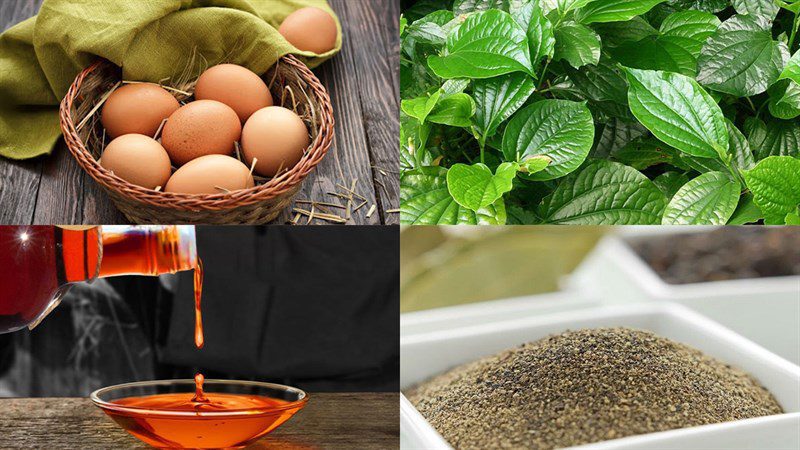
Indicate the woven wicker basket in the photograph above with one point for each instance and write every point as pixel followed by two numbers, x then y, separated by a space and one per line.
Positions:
pixel 292 85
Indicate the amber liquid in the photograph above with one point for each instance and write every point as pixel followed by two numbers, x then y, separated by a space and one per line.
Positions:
pixel 152 426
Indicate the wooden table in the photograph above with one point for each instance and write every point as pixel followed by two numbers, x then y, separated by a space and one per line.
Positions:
pixel 330 421
pixel 362 80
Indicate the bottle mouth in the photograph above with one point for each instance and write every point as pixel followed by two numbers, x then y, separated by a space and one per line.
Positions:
pixel 187 244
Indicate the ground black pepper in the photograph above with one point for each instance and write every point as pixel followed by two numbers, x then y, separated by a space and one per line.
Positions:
pixel 723 254
pixel 586 386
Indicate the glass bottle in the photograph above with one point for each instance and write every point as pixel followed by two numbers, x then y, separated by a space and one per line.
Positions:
pixel 38 264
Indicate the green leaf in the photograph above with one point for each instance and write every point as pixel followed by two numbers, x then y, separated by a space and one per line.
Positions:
pixel 469 6
pixel 604 85
pixel 605 193
pixel 559 129
pixel 614 10
pixel 420 107
pixel 709 199
pixel 498 98
pixel 790 5
pixel 658 53
pixel 530 17
pixel 773 137
pixel 678 112
pixel 425 200
pixel 670 182
pixel 711 6
pixel 562 7
pixel 746 212
pixel 644 153
pixel 455 110
pixel 487 44
pixel 615 135
pixel 775 184
pixel 766 9
pixel 792 69
pixel 576 44
pixel 784 99
pixel 475 186
pixel 534 164
pixel 741 58
pixel 695 27
pixel 739 148
pixel 614 34
pixel 428 30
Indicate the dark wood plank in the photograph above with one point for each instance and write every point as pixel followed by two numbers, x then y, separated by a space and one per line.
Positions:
pixel 375 29
pixel 60 196
pixel 19 180
pixel 330 421
pixel 348 158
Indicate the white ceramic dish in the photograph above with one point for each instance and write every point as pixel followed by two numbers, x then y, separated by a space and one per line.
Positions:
pixel 477 313
pixel 425 354
pixel 766 310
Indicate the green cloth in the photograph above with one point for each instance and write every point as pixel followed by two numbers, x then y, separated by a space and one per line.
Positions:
pixel 150 39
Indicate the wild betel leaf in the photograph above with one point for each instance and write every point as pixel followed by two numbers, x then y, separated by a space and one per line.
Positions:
pixel 425 200
pixel 455 110
pixel 678 112
pixel 614 10
pixel 605 193
pixel 670 183
pixel 475 186
pixel 739 148
pixel 576 44
pixel 741 58
pixel 792 69
pixel 486 45
pixel 498 98
pixel 775 184
pixel 709 199
pixel 773 137
pixel 530 16
pixel 766 9
pixel 746 212
pixel 559 129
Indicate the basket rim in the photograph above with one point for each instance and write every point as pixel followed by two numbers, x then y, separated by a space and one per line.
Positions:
pixel 273 188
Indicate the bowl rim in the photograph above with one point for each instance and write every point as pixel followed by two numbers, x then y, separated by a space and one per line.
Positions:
pixel 248 412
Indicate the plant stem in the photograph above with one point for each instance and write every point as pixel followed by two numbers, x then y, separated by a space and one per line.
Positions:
pixel 795 27
pixel 482 144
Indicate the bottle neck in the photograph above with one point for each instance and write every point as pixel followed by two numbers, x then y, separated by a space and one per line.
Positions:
pixel 150 250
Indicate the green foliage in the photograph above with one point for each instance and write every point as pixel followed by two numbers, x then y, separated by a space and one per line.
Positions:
pixel 600 112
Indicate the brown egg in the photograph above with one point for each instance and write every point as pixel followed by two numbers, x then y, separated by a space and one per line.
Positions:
pixel 202 127
pixel 242 90
pixel 137 159
pixel 310 29
pixel 277 137
pixel 137 108
pixel 207 174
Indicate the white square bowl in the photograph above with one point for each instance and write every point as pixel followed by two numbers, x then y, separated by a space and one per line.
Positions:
pixel 425 354
pixel 765 310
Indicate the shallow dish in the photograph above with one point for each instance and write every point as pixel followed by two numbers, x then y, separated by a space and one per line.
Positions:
pixel 423 355
pixel 231 428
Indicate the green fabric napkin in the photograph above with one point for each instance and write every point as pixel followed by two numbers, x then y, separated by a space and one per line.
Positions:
pixel 150 39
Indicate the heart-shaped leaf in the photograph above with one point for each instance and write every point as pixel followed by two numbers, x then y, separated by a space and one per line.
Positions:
pixel 678 112
pixel 614 10
pixel 455 110
pixel 425 200
pixel 498 98
pixel 741 58
pixel 766 9
pixel 475 186
pixel 784 99
pixel 775 184
pixel 792 69
pixel 576 44
pixel 486 45
pixel 559 129
pixel 605 193
pixel 420 107
pixel 746 212
pixel 739 148
pixel 709 199
pixel 530 16
pixel 773 137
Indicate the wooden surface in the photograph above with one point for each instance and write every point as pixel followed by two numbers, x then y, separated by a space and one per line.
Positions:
pixel 330 421
pixel 362 81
